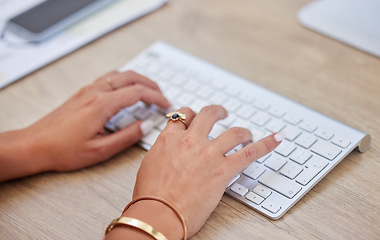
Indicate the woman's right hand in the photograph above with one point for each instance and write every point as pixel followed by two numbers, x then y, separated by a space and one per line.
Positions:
pixel 191 171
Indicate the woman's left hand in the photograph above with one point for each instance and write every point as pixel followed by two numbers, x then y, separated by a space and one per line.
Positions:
pixel 73 136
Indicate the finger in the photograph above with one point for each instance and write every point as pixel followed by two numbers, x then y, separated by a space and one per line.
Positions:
pixel 242 158
pixel 123 79
pixel 231 138
pixel 105 82
pixel 177 125
pixel 128 96
pixel 206 118
pixel 111 144
pixel 130 77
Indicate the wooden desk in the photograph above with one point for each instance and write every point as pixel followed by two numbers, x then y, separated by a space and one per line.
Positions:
pixel 258 40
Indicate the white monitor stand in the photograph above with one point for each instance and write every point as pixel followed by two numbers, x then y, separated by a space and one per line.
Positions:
pixel 354 22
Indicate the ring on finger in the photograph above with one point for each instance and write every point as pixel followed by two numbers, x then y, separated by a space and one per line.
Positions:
pixel 177 116
pixel 109 82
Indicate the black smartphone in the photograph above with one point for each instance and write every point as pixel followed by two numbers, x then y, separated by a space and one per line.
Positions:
pixel 51 17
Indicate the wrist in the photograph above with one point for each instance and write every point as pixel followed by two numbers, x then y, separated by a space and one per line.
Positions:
pixel 157 214
pixel 17 155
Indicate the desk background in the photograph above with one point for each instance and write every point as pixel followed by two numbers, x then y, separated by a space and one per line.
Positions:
pixel 258 40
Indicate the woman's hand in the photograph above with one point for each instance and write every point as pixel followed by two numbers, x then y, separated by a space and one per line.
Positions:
pixel 73 136
pixel 191 171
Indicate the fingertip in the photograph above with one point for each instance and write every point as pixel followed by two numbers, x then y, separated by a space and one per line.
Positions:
pixel 279 137
pixel 146 127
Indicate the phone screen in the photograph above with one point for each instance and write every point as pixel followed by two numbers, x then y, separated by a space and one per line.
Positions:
pixel 48 13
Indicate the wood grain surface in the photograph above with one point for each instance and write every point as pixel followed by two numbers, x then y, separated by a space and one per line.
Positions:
pixel 258 40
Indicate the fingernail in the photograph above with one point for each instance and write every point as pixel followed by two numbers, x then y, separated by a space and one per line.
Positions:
pixel 279 136
pixel 146 127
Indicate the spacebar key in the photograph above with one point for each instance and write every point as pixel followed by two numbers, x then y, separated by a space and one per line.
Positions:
pixel 280 184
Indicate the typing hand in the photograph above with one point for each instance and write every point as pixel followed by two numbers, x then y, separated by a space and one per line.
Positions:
pixel 73 136
pixel 191 171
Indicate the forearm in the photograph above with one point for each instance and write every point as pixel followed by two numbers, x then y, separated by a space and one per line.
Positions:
pixel 17 156
pixel 154 213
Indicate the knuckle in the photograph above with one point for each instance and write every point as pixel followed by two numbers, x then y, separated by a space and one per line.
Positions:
pixel 211 110
pixel 97 99
pixel 220 171
pixel 98 150
pixel 239 133
pixel 250 153
pixel 186 141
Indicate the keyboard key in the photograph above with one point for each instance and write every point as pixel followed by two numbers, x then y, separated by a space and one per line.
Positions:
pixel 254 170
pixel 185 99
pixel 217 130
pixel 275 125
pixel 291 133
pixel 271 206
pixel 256 133
pixel 204 92
pixel 285 149
pixel 247 98
pixel 246 112
pixel 132 109
pixel 239 189
pixel 260 119
pixel 234 179
pixel 294 120
pixel 262 105
pixel 276 112
pixel 157 119
pixel 253 197
pixel 154 68
pixel 306 140
pixel 218 98
pixel 341 142
pixel 291 170
pixel 228 120
pixel 326 149
pixel 191 86
pixel 240 123
pixel 217 85
pixel 172 93
pixel 151 137
pixel 262 159
pixel 326 135
pixel 143 113
pixel 166 74
pixel 197 105
pixel 178 79
pixel 231 105
pixel 275 162
pixel 125 121
pixel 279 183
pixel 300 156
pixel 309 127
pixel 262 191
pixel 233 92
pixel 162 125
pixel 314 166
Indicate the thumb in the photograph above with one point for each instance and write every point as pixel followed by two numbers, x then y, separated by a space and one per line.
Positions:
pixel 124 138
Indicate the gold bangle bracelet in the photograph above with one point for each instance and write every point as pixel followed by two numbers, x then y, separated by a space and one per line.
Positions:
pixel 167 203
pixel 136 224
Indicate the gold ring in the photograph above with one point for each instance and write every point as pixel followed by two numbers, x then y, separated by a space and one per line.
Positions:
pixel 177 116
pixel 109 82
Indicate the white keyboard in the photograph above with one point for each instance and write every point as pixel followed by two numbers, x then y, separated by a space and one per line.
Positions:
pixel 314 143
